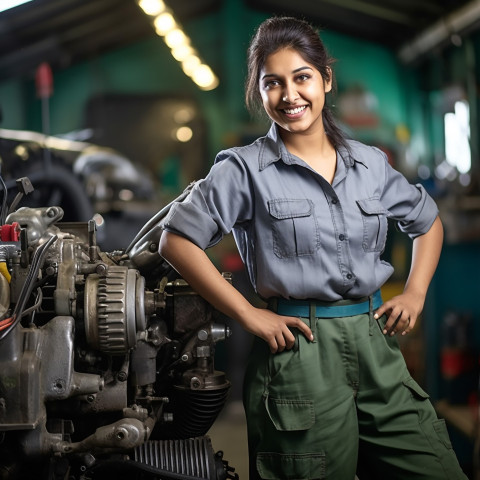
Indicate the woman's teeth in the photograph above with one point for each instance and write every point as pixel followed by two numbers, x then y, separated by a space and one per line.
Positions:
pixel 292 111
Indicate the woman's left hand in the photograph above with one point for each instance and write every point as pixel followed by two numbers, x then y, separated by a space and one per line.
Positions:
pixel 402 313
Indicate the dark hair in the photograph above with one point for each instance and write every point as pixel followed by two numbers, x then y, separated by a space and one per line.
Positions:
pixel 276 33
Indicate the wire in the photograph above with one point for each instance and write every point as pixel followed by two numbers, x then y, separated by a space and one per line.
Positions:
pixel 8 324
pixel 3 211
pixel 36 305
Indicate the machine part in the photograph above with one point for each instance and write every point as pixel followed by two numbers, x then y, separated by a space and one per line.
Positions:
pixel 110 304
pixel 98 359
pixel 122 435
pixel 143 370
pixel 4 296
pixel 192 458
pixel 36 221
pixel 203 406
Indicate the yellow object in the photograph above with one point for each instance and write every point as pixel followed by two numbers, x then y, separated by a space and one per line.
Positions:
pixel 4 271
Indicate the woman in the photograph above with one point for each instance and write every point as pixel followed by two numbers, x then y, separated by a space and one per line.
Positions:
pixel 327 392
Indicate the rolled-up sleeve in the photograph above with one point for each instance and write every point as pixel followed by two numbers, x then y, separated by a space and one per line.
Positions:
pixel 410 205
pixel 222 200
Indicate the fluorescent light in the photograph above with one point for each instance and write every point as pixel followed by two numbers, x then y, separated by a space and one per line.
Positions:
pixel 7 4
pixel 179 43
pixel 152 7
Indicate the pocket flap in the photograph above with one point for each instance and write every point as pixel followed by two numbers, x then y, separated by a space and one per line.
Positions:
pixel 290 208
pixel 290 415
pixel 372 206
pixel 281 466
pixel 414 387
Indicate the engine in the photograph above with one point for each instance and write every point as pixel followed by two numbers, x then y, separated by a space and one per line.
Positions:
pixel 106 358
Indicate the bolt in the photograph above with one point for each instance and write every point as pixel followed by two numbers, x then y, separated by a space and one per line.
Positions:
pixel 90 398
pixel 100 269
pixel 153 247
pixel 121 376
pixel 195 382
pixel 202 335
pixel 185 357
pixel 50 270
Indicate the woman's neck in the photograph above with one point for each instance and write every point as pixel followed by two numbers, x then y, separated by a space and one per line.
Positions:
pixel 315 150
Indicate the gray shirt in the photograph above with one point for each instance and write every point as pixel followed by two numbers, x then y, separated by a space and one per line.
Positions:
pixel 299 236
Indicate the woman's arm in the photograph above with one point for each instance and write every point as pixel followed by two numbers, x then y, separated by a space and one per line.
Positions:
pixel 193 264
pixel 403 310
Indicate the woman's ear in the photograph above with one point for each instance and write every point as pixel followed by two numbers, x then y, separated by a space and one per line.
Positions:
pixel 329 81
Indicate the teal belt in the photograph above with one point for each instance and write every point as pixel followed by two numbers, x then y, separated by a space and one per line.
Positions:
pixel 340 308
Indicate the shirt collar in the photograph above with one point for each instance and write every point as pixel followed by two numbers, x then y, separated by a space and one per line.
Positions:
pixel 273 149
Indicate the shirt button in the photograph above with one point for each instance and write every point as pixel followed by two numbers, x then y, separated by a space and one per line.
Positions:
pixel 341 237
pixel 334 200
pixel 349 276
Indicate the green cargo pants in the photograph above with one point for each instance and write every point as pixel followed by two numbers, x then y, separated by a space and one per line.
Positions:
pixel 342 405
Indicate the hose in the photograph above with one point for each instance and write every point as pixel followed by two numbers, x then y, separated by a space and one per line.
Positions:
pixel 4 271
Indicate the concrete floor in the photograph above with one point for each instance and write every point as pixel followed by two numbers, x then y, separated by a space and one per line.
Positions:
pixel 229 434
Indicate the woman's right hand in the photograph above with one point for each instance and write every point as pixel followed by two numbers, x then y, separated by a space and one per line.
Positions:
pixel 273 328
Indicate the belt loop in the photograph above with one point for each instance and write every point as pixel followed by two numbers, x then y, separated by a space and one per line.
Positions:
pixel 273 304
pixel 313 319
pixel 370 315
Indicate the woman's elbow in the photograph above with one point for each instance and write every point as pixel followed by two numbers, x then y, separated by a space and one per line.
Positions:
pixel 165 246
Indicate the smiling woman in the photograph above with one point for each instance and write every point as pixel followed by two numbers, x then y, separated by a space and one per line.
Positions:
pixel 327 392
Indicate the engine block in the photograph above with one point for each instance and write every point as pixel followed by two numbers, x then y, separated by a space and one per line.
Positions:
pixel 107 358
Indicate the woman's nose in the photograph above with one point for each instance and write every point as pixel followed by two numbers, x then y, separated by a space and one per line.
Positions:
pixel 290 95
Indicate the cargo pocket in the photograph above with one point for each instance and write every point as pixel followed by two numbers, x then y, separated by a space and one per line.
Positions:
pixel 436 432
pixel 415 388
pixel 294 227
pixel 290 415
pixel 375 224
pixel 282 466
pixel 417 394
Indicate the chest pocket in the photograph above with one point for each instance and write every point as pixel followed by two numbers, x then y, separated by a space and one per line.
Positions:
pixel 375 224
pixel 294 227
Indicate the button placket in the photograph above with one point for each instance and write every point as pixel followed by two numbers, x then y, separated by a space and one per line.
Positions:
pixel 343 247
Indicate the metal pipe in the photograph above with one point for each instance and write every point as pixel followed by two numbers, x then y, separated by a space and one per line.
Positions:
pixel 441 31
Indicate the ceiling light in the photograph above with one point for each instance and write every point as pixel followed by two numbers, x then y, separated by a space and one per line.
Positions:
pixel 204 77
pixel 190 64
pixel 176 38
pixel 184 115
pixel 152 7
pixel 7 4
pixel 184 134
pixel 164 23
pixel 181 52
pixel 179 43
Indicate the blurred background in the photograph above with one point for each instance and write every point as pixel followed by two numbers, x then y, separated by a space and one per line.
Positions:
pixel 113 107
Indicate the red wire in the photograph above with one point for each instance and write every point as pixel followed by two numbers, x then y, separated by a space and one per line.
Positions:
pixel 5 323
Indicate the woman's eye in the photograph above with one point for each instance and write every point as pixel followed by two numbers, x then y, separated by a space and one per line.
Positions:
pixel 271 83
pixel 303 77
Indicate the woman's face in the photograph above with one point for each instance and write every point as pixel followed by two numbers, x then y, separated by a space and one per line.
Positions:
pixel 293 92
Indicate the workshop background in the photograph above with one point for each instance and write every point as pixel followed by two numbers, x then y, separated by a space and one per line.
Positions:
pixel 128 115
